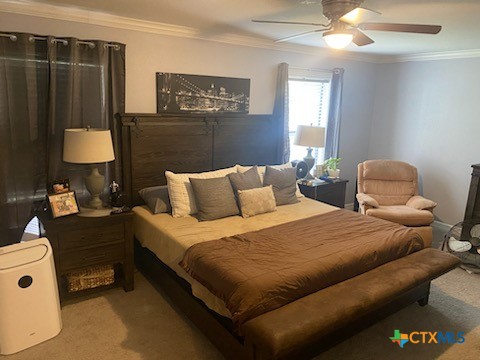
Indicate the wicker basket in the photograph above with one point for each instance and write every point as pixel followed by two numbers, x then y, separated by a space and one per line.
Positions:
pixel 90 278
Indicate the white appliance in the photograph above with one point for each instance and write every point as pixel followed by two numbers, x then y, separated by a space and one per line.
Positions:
pixel 29 302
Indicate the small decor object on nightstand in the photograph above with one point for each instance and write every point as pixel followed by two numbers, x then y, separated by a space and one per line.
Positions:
pixel 59 186
pixel 302 169
pixel 116 196
pixel 63 204
pixel 90 146
pixel 332 167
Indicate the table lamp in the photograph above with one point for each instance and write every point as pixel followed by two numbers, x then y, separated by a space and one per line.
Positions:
pixel 310 136
pixel 90 146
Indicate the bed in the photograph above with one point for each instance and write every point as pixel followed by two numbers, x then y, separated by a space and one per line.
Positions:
pixel 301 327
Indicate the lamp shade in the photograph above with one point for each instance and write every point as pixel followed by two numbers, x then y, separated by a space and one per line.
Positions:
pixel 311 136
pixel 87 146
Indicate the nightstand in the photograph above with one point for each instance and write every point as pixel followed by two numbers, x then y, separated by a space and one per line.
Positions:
pixel 82 242
pixel 332 193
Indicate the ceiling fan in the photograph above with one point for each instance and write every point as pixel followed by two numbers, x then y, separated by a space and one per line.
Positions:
pixel 344 28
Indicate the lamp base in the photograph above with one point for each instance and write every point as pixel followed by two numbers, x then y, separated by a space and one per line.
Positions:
pixel 89 212
pixel 95 183
pixel 310 160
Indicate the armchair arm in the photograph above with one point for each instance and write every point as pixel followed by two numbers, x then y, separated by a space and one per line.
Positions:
pixel 420 203
pixel 367 200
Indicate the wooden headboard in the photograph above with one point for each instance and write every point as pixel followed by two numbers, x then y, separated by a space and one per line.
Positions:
pixel 154 143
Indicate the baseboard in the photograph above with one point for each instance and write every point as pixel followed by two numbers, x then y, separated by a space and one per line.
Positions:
pixel 349 206
pixel 441 226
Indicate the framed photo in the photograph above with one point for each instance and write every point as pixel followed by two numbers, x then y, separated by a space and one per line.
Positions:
pixel 59 186
pixel 179 93
pixel 63 204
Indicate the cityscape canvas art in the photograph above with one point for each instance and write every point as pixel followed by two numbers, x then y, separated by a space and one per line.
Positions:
pixel 198 93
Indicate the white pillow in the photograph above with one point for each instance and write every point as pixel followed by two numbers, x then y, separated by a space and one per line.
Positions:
pixel 181 193
pixel 261 172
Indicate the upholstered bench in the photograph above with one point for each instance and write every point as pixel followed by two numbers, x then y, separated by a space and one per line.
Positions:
pixel 302 328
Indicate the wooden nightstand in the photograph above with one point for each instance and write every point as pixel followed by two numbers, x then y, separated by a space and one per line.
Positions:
pixel 82 242
pixel 332 193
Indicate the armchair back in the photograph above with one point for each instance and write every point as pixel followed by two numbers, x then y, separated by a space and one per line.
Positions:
pixel 389 182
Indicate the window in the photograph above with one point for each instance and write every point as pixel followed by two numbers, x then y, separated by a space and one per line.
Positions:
pixel 308 105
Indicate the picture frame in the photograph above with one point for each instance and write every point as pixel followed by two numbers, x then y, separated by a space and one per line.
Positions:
pixel 59 186
pixel 186 93
pixel 63 204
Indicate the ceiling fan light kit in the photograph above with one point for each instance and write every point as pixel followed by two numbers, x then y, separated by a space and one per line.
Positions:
pixel 345 25
pixel 338 39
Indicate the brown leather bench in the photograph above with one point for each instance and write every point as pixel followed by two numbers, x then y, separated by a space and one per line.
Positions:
pixel 298 329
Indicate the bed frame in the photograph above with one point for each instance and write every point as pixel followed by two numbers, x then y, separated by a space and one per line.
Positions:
pixel 153 143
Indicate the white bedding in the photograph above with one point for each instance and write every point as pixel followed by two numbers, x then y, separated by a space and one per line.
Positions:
pixel 170 237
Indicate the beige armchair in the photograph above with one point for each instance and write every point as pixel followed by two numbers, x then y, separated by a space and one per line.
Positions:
pixel 388 189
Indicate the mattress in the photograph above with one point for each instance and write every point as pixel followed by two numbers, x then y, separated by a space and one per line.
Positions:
pixel 168 237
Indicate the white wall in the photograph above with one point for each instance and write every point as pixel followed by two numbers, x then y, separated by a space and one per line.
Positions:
pixel 428 114
pixel 148 53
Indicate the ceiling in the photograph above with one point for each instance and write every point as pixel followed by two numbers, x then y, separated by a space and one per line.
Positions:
pixel 211 18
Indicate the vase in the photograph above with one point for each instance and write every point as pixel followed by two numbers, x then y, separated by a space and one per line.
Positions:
pixel 333 173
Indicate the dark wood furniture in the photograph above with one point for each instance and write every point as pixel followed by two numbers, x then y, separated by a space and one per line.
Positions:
pixel 473 201
pixel 183 143
pixel 82 242
pixel 472 210
pixel 153 143
pixel 332 193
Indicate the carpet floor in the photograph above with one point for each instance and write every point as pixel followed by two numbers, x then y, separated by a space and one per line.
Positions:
pixel 144 324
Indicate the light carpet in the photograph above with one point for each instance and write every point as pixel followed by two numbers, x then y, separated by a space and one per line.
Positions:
pixel 144 324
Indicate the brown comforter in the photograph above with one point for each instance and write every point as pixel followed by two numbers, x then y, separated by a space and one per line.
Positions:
pixel 260 271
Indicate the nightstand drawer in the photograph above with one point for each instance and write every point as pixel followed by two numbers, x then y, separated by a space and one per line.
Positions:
pixel 90 236
pixel 88 257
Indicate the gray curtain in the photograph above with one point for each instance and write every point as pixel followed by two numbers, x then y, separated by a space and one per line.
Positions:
pixel 334 114
pixel 280 113
pixel 23 80
pixel 46 86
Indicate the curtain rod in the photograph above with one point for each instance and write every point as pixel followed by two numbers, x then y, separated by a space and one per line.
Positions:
pixel 32 38
pixel 313 70
pixel 11 36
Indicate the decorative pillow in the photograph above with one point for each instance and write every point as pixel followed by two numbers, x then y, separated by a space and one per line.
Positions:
pixel 214 198
pixel 256 201
pixel 261 169
pixel 156 198
pixel 261 172
pixel 181 193
pixel 245 181
pixel 284 184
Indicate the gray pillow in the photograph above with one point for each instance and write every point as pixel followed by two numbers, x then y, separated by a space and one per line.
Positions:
pixel 284 183
pixel 214 198
pixel 245 181
pixel 156 198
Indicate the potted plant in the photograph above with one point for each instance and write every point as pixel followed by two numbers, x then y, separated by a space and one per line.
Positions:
pixel 332 167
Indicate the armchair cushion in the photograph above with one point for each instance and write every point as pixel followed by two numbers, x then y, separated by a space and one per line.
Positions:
pixel 420 203
pixel 402 214
pixel 364 199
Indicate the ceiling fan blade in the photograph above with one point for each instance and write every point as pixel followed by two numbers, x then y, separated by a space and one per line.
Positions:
pixel 360 39
pixel 409 28
pixel 288 22
pixel 298 35
pixel 358 15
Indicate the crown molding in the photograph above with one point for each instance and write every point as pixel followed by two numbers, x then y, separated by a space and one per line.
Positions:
pixel 64 13
pixel 432 56
pixel 83 16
